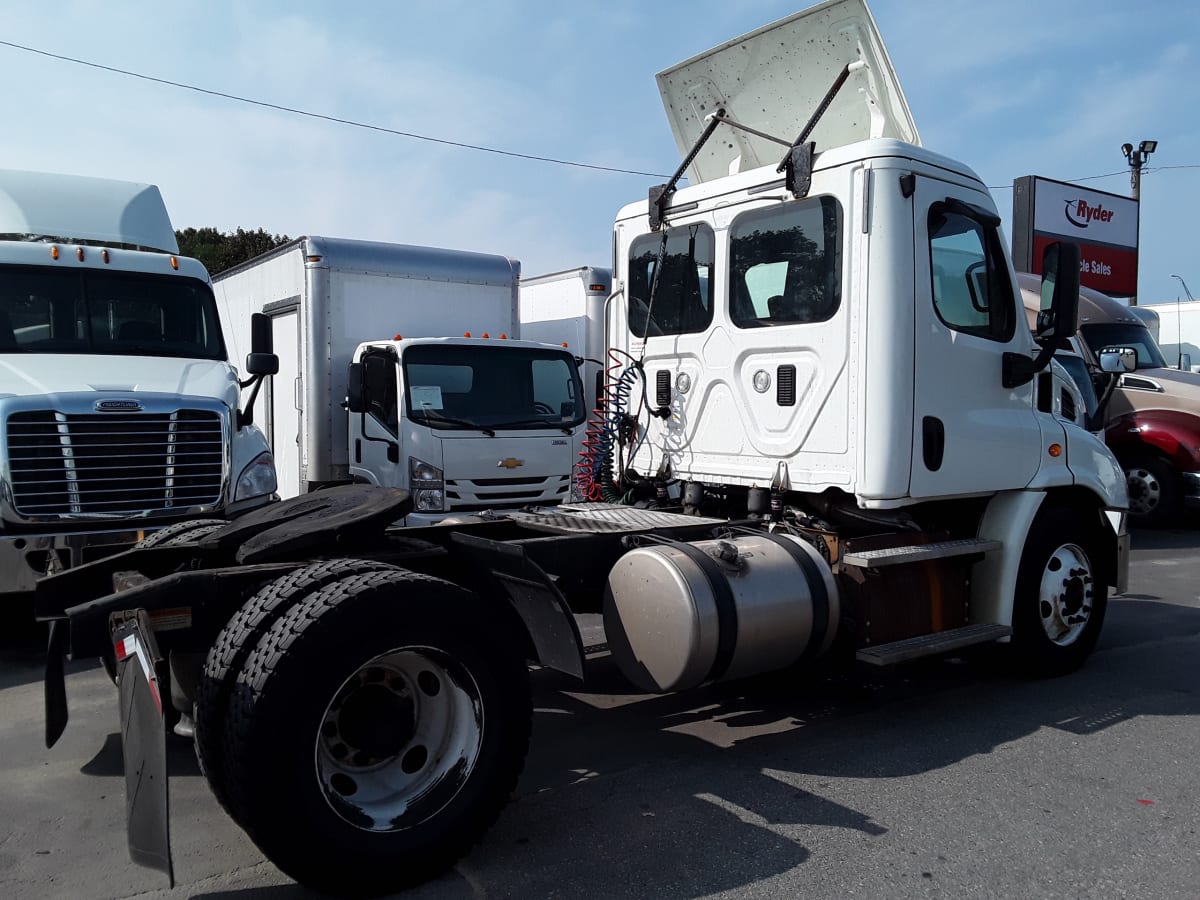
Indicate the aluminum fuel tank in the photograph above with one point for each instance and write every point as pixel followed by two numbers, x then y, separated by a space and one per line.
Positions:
pixel 680 614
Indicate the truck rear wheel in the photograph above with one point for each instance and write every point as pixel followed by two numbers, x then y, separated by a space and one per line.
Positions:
pixel 1059 605
pixel 376 732
pixel 237 641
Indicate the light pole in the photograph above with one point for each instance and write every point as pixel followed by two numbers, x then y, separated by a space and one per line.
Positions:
pixel 1179 318
pixel 1136 159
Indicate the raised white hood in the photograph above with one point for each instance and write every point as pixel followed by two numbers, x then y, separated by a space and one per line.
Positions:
pixel 113 377
pixel 773 79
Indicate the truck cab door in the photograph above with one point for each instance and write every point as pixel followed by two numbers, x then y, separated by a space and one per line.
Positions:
pixel 374 434
pixel 970 433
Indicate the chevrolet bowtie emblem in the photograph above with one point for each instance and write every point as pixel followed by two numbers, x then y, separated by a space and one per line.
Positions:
pixel 511 463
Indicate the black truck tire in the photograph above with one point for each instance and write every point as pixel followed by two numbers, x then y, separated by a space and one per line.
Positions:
pixel 178 533
pixel 237 641
pixel 376 732
pixel 179 530
pixel 1060 601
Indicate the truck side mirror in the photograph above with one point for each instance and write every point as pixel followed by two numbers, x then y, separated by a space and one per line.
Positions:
pixel 261 360
pixel 1118 359
pixel 355 395
pixel 1058 318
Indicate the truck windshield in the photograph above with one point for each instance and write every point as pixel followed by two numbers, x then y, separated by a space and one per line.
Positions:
pixel 1116 334
pixel 492 386
pixel 44 310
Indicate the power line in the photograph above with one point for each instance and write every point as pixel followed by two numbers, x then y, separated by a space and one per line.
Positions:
pixel 1147 170
pixel 424 137
pixel 328 118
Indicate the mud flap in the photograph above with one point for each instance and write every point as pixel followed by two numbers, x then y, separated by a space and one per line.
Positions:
pixel 141 671
pixel 54 686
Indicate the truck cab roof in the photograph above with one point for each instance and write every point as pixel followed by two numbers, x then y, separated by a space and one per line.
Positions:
pixel 78 209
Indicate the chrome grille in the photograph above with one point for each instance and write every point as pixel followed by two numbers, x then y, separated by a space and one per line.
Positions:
pixel 79 464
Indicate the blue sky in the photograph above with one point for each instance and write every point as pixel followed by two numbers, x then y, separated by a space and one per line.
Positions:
pixel 1050 88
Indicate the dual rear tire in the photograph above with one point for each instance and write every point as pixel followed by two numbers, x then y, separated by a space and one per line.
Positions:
pixel 364 724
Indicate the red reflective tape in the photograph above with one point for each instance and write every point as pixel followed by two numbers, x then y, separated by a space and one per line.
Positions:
pixel 125 647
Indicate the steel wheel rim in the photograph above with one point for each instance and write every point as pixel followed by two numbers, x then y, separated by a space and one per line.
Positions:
pixel 399 739
pixel 1145 491
pixel 1066 594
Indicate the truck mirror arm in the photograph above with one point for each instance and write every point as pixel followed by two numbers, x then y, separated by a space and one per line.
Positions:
pixel 246 416
pixel 1019 369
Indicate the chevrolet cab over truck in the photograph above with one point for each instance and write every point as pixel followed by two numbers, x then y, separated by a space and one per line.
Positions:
pixel 118 405
pixel 400 367
pixel 826 445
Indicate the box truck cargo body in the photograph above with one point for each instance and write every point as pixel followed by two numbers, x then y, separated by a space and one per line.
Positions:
pixel 568 307
pixel 328 299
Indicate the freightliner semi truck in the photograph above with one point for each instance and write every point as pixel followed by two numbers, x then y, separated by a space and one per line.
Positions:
pixel 826 445
pixel 119 407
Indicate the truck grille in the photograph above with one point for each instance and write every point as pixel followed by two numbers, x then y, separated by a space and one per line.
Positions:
pixel 112 463
pixel 500 493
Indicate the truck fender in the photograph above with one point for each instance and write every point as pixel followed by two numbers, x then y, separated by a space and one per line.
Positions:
pixel 994 581
pixel 540 606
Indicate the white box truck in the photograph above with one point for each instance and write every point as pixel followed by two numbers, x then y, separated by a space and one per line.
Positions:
pixel 119 409
pixel 568 307
pixel 423 343
pixel 842 410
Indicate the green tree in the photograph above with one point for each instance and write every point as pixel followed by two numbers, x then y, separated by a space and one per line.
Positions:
pixel 220 251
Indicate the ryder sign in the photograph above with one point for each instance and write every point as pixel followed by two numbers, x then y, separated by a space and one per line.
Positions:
pixel 1105 226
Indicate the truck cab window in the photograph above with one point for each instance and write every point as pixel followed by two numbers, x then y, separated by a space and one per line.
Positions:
pixel 785 264
pixel 683 294
pixel 379 383
pixel 971 292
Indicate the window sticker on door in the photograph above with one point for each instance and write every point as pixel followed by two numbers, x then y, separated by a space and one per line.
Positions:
pixel 426 397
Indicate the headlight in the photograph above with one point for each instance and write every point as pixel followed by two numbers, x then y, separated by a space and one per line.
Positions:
pixel 257 479
pixel 427 485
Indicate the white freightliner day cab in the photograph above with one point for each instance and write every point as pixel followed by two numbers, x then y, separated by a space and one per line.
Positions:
pixel 399 367
pixel 830 431
pixel 119 406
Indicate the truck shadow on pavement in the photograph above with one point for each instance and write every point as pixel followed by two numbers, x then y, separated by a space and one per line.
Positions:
pixel 687 795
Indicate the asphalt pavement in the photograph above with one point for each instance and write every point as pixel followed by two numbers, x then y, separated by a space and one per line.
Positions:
pixel 943 779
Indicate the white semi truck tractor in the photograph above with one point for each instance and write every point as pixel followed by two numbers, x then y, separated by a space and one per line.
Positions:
pixel 827 445
pixel 119 407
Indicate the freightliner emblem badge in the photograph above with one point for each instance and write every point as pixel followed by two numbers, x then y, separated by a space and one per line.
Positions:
pixel 119 406
pixel 511 463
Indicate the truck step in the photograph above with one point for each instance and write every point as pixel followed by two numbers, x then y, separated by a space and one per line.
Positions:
pixel 894 556
pixel 932 644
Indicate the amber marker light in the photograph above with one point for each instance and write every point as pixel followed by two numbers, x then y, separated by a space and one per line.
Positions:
pixel 503 336
pixel 79 253
pixel 104 255
pixel 1056 450
pixel 174 263
pixel 53 252
pixel 466 334
pixel 398 337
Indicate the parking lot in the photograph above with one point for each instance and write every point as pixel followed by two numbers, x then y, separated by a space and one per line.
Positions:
pixel 939 780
